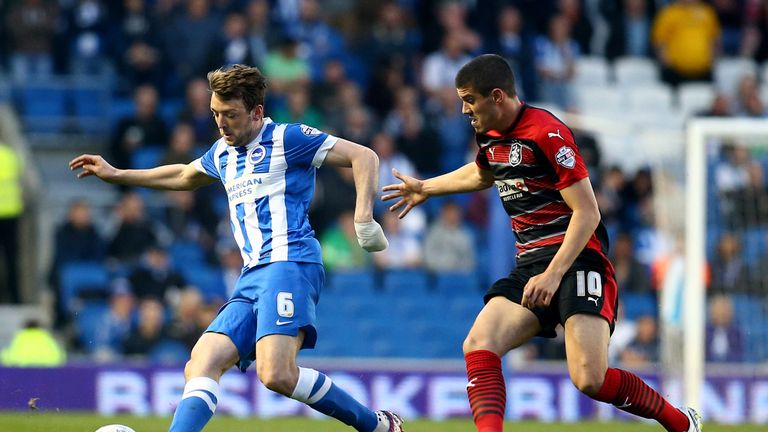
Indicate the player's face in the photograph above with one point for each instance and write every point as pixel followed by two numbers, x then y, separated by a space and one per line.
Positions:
pixel 236 125
pixel 482 110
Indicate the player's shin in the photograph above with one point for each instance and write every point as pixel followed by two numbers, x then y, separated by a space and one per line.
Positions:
pixel 628 392
pixel 319 392
pixel 486 390
pixel 197 405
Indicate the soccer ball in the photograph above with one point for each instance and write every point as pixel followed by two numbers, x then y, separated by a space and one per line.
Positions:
pixel 115 428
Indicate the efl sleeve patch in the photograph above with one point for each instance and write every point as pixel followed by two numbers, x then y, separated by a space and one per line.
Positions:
pixel 566 157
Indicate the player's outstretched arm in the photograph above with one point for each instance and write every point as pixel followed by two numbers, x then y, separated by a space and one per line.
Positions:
pixel 365 169
pixel 167 177
pixel 412 191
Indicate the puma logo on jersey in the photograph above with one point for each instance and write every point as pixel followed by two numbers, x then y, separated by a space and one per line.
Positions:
pixel 594 299
pixel 552 134
pixel 491 150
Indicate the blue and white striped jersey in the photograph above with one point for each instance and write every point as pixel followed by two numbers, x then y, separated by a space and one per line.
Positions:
pixel 269 185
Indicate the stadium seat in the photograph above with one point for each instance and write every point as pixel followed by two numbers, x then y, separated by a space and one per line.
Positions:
pixel 651 97
pixel 80 276
pixel 351 281
pixel 457 283
pixel 147 157
pixel 169 352
pixel 89 320
pixel 186 253
pixel 43 106
pixel 639 304
pixel 593 71
pixel 632 71
pixel 209 280
pixel 729 70
pixel 605 100
pixel 405 281
pixel 695 97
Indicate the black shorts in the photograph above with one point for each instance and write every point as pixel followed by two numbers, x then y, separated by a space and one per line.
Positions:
pixel 586 288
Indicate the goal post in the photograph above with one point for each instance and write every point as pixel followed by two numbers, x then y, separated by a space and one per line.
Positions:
pixel 699 130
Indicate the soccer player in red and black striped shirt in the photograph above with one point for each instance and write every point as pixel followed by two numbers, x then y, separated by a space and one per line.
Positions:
pixel 563 276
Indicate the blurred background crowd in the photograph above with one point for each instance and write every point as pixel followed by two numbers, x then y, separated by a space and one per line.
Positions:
pixel 142 273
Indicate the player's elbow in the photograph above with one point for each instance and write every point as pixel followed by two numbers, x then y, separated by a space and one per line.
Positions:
pixel 367 157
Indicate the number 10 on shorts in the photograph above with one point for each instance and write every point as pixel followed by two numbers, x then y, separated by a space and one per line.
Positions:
pixel 591 284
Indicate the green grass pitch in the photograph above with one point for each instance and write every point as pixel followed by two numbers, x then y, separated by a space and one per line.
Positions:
pixel 60 422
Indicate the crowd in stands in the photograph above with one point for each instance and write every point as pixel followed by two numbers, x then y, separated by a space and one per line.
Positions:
pixel 380 74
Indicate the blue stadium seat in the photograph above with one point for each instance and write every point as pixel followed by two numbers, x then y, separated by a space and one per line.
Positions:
pixel 169 352
pixel 405 281
pixel 147 157
pixel 186 253
pixel 90 99
pixel 79 276
pixel 43 106
pixel 209 280
pixel 89 320
pixel 457 283
pixel 361 281
pixel 636 305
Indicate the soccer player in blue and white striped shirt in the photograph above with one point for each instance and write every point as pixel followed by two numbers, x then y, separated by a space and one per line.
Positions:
pixel 268 172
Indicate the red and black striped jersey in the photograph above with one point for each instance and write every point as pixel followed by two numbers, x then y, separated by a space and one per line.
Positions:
pixel 531 162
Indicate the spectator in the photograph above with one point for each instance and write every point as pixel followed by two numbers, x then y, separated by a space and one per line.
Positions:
pixel 136 48
pixel 729 273
pixel 453 131
pixel 556 56
pixel 720 106
pixel 31 25
pixel 149 330
pixel 385 81
pixel 261 32
pixel 391 39
pixel 317 41
pixel 449 246
pixel 390 158
pixel 87 26
pixel 514 43
pixel 297 109
pixel 233 48
pixel 181 149
pixel 197 112
pixel 285 68
pixel 644 349
pixel 189 39
pixel 404 251
pixel 33 346
pixel 324 94
pixel 231 266
pixel 732 171
pixel 340 248
pixel 358 125
pixel 11 209
pixel 745 90
pixel 185 326
pixel 76 240
pixel 144 128
pixel 334 194
pixel 451 18
pixel 581 27
pixel 154 277
pixel 610 199
pixel 724 338
pixel 134 234
pixel 440 67
pixel 412 132
pixel 731 15
pixel 623 334
pixel 629 24
pixel 190 217
pixel 631 275
pixel 115 327
pixel 747 206
pixel 684 35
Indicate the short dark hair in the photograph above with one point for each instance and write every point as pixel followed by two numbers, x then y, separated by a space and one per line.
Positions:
pixel 485 73
pixel 239 82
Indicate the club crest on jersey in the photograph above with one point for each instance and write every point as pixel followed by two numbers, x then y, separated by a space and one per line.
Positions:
pixel 309 130
pixel 565 157
pixel 257 154
pixel 515 154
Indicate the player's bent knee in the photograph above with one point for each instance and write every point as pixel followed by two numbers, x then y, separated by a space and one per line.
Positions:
pixel 278 382
pixel 588 383
pixel 475 343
